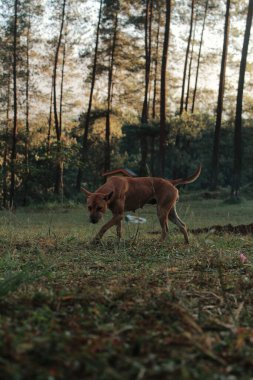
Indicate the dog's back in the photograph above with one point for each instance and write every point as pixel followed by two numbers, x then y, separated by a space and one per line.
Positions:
pixel 136 192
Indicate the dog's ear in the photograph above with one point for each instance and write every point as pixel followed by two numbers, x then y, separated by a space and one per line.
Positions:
pixel 88 193
pixel 108 196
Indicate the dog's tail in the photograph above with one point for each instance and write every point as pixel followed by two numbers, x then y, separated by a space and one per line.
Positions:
pixel 184 181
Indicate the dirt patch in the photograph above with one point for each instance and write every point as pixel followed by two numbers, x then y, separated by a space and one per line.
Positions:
pixel 242 229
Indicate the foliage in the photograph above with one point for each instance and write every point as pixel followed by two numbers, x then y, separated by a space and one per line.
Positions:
pixel 195 143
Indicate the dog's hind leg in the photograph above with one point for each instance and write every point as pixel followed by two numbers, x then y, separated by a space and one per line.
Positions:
pixel 162 214
pixel 174 218
pixel 164 206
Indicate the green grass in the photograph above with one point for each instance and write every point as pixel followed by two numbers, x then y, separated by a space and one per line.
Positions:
pixel 135 310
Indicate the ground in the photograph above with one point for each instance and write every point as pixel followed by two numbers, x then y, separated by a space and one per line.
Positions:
pixel 135 310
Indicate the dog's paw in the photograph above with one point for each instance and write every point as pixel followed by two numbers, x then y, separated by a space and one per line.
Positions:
pixel 95 241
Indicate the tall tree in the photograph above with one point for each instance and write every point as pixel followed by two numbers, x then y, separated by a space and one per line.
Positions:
pixel 6 145
pixel 15 55
pixel 58 187
pixel 27 101
pixel 237 167
pixel 190 67
pixel 199 56
pixel 216 143
pixel 145 106
pixel 62 81
pixel 163 96
pixel 148 44
pixel 107 163
pixel 15 104
pixel 84 148
pixel 186 58
pixel 49 120
pixel 156 57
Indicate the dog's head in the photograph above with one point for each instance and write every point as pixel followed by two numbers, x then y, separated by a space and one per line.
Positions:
pixel 97 204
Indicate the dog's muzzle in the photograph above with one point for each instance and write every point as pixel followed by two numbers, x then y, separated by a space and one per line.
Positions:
pixel 93 220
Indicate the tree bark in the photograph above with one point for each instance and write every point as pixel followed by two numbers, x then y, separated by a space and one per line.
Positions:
pixel 84 151
pixel 237 168
pixel 148 41
pixel 15 110
pixel 62 84
pixel 5 155
pixel 27 112
pixel 163 96
pixel 156 65
pixel 216 143
pixel 190 68
pixel 198 61
pixel 50 120
pixel 107 162
pixel 58 188
pixel 186 59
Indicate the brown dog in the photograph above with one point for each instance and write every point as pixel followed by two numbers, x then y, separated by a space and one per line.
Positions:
pixel 121 194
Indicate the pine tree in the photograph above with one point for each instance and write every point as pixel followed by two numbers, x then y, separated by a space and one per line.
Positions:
pixel 112 12
pixel 58 187
pixel 186 58
pixel 84 149
pixel 163 97
pixel 237 167
pixel 15 104
pixel 216 143
pixel 148 54
pixel 199 57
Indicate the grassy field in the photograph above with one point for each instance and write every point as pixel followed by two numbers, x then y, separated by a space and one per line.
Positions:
pixel 135 310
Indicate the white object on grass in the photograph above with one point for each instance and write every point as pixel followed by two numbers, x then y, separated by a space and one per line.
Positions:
pixel 135 219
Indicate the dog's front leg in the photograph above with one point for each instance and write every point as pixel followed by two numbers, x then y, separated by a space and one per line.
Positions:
pixel 116 220
pixel 119 229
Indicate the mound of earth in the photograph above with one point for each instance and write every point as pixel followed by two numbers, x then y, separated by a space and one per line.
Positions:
pixel 242 229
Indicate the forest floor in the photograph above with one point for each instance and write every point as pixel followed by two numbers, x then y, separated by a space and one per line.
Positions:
pixel 135 310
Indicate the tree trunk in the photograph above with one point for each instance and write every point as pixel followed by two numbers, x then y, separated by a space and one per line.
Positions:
pixel 190 67
pixel 186 59
pixel 107 163
pixel 62 84
pixel 156 65
pixel 5 155
pixel 216 144
pixel 60 163
pixel 15 110
pixel 198 61
pixel 58 189
pixel 50 120
pixel 163 97
pixel 148 40
pixel 237 169
pixel 84 151
pixel 27 112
